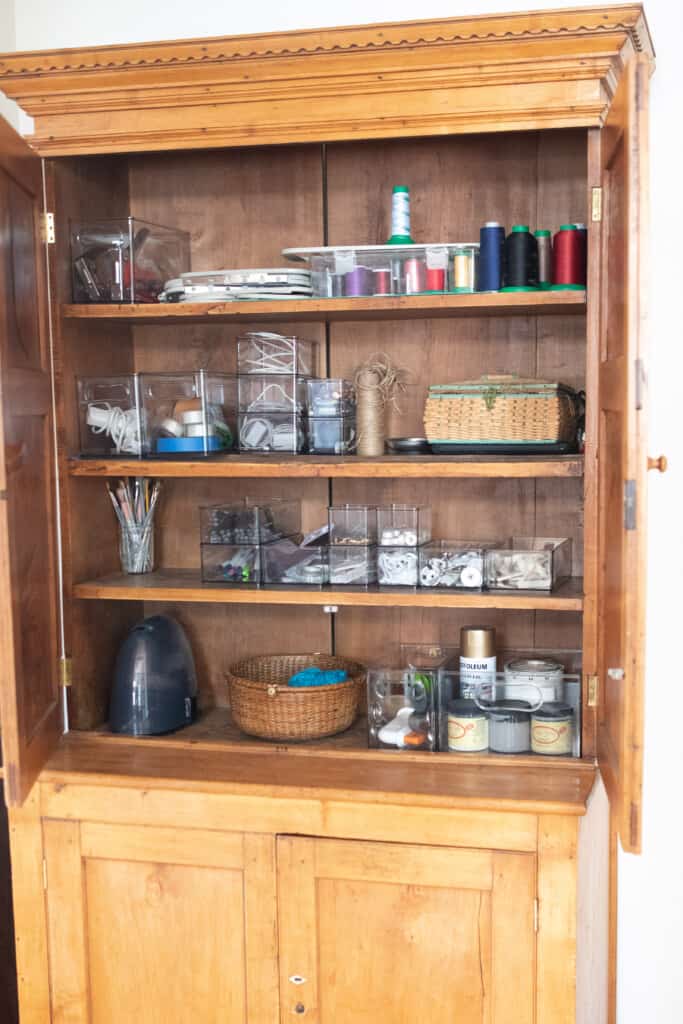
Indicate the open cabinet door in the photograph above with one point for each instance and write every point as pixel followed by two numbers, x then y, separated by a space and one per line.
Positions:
pixel 30 714
pixel 622 450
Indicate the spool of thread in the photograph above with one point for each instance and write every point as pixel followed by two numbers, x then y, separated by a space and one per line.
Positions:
pixel 583 235
pixel 545 258
pixel 521 260
pixel 359 281
pixel 491 256
pixel 569 270
pixel 416 276
pixel 436 279
pixel 400 216
pixel 382 281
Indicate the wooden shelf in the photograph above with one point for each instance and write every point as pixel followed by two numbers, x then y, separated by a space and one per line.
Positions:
pixel 337 467
pixel 402 307
pixel 185 585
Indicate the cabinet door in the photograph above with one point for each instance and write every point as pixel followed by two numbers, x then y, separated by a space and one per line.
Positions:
pixel 381 932
pixel 622 466
pixel 160 925
pixel 29 689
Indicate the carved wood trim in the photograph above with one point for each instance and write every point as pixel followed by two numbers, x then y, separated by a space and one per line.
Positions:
pixel 511 72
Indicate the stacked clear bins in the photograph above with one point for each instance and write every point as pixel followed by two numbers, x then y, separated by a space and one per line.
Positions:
pixel 353 544
pixel 273 371
pixel 238 540
pixel 331 416
pixel 402 530
pixel 188 414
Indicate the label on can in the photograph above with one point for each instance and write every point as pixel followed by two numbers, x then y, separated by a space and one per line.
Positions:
pixel 468 733
pixel 551 737
pixel 474 671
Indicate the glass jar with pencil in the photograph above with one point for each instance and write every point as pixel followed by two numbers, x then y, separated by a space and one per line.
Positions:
pixel 135 500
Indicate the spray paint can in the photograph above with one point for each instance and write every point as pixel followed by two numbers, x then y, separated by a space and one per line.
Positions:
pixel 400 216
pixel 491 256
pixel 477 658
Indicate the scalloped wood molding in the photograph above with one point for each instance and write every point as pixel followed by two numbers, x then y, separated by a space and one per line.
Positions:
pixel 501 73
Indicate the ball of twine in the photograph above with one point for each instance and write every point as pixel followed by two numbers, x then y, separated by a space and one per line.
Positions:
pixel 378 383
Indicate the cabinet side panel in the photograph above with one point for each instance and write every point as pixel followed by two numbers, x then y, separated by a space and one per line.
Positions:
pixel 593 906
pixel 556 941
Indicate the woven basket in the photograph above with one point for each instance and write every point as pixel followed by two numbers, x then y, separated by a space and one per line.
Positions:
pixel 501 408
pixel 263 705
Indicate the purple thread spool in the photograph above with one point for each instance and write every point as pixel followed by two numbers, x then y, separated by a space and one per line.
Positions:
pixel 359 281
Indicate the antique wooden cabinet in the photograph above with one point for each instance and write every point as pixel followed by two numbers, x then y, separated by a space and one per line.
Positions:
pixel 203 876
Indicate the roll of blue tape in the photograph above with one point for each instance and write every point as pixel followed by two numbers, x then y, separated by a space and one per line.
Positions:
pixel 169 445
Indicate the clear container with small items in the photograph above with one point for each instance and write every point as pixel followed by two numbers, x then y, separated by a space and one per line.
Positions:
pixel 440 662
pixel 331 397
pixel 401 710
pixel 371 270
pixel 398 567
pixel 109 416
pixel 352 524
pixel 263 352
pixel 454 563
pixel 188 414
pixel 404 525
pixel 125 260
pixel 529 563
pixel 272 393
pixel 236 564
pixel 266 432
pixel 250 521
pixel 353 565
pixel 331 435
pixel 292 561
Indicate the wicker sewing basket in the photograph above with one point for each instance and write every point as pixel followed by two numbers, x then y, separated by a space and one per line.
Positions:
pixel 263 705
pixel 501 408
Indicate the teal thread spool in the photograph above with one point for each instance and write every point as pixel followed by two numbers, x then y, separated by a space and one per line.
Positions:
pixel 400 216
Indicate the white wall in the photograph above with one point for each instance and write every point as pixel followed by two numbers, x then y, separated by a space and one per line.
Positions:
pixel 651 886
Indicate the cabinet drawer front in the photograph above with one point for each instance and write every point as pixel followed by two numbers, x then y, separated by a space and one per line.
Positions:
pixel 379 931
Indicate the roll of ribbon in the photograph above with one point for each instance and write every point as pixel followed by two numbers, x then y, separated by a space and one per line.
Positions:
pixel 171 428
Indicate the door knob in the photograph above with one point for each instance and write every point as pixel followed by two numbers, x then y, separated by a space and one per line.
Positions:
pixel 659 463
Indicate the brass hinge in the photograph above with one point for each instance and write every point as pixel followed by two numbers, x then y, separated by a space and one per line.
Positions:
pixel 596 204
pixel 44 874
pixel 536 914
pixel 592 687
pixel 47 228
pixel 629 504
pixel 65 672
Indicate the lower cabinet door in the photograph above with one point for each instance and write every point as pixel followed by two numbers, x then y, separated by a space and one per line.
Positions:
pixel 160 925
pixel 381 932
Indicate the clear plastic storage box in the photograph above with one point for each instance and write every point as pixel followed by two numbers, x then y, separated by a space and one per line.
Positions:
pixel 529 563
pixel 454 563
pixel 398 567
pixel 188 414
pixel 367 270
pixel 331 435
pixel 404 525
pixel 331 396
pixel 352 525
pixel 353 565
pixel 262 352
pixel 109 416
pixel 401 710
pixel 125 260
pixel 281 393
pixel 291 563
pixel 250 521
pixel 266 432
pixel 236 564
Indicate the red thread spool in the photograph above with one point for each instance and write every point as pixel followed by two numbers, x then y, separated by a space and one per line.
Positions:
pixel 382 282
pixel 436 279
pixel 569 264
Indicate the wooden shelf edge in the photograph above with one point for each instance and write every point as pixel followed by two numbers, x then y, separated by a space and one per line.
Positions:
pixel 372 308
pixel 185 585
pixel 336 467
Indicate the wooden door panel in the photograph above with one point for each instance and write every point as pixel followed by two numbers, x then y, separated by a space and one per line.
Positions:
pixel 160 926
pixel 29 692
pixel 622 451
pixel 379 931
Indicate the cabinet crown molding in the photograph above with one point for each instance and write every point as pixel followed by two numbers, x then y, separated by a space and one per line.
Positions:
pixel 493 73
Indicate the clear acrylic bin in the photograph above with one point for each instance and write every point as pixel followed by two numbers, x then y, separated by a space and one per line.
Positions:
pixel 125 260
pixel 262 352
pixel 250 521
pixel 331 396
pixel 404 525
pixel 398 567
pixel 352 525
pixel 188 414
pixel 270 392
pixel 454 563
pixel 367 270
pixel 331 435
pixel 401 710
pixel 353 566
pixel 109 416
pixel 236 564
pixel 291 563
pixel 529 563
pixel 268 432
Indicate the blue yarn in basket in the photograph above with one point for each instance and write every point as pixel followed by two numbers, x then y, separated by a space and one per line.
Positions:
pixel 317 677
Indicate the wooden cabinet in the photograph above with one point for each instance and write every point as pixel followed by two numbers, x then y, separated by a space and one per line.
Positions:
pixel 154 924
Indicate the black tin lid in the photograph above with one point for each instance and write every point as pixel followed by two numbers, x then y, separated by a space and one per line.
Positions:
pixel 464 709
pixel 554 711
pixel 509 710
